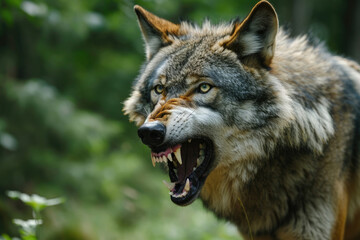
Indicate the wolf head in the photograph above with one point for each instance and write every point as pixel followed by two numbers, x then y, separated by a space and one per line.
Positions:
pixel 206 97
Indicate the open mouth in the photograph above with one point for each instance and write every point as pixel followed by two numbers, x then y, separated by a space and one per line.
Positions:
pixel 189 164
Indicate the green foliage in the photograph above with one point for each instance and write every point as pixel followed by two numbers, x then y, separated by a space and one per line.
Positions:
pixel 28 228
pixel 36 202
pixel 65 69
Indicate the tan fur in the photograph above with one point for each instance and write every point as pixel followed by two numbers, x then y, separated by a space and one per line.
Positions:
pixel 352 230
pixel 341 209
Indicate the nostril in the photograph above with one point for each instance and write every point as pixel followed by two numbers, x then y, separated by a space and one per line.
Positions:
pixel 152 133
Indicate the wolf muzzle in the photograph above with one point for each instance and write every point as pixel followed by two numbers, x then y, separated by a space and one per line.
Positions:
pixel 152 133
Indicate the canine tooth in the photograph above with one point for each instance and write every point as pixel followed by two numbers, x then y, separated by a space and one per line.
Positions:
pixel 170 186
pixel 153 160
pixel 189 140
pixel 178 155
pixel 187 185
pixel 169 157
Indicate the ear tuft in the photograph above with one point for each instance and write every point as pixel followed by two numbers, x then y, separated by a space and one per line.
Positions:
pixel 155 30
pixel 255 36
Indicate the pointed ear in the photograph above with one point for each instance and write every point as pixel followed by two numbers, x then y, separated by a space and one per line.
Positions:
pixel 155 31
pixel 254 38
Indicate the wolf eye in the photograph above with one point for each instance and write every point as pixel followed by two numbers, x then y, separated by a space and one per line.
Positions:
pixel 159 89
pixel 204 87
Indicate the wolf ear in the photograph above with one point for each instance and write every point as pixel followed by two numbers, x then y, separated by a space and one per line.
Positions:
pixel 155 30
pixel 254 38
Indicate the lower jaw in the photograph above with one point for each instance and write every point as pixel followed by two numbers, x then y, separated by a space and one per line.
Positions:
pixel 192 194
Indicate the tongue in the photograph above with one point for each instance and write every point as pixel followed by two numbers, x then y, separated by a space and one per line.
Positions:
pixel 189 155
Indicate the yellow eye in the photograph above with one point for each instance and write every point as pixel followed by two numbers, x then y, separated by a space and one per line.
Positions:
pixel 159 89
pixel 204 87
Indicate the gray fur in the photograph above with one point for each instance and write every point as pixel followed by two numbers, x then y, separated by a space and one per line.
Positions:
pixel 282 132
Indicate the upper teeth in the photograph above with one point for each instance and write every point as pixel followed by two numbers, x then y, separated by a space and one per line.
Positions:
pixel 178 155
pixel 163 157
pixel 156 159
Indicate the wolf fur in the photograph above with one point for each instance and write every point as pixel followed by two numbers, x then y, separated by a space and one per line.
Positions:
pixel 282 114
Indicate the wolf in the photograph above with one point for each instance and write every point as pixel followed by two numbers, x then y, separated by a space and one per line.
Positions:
pixel 262 127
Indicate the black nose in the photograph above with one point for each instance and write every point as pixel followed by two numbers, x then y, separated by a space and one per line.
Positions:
pixel 152 133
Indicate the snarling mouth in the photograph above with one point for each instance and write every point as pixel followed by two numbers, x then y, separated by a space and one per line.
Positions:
pixel 189 164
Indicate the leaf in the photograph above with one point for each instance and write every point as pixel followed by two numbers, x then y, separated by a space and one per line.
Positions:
pixel 35 201
pixel 28 228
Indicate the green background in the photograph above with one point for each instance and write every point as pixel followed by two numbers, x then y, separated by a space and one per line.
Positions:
pixel 66 67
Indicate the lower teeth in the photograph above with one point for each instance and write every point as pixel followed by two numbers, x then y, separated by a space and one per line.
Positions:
pixel 183 194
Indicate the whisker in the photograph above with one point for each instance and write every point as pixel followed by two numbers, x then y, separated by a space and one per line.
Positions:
pixel 247 219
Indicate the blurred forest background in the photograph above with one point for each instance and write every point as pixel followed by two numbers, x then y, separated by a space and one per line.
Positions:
pixel 66 67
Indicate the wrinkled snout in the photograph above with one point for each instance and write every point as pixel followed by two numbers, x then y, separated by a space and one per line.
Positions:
pixel 152 133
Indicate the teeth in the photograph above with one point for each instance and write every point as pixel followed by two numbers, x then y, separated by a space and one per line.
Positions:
pixel 183 194
pixel 187 185
pixel 198 162
pixel 202 153
pixel 164 159
pixel 170 186
pixel 201 146
pixel 189 140
pixel 153 160
pixel 178 155
pixel 169 157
